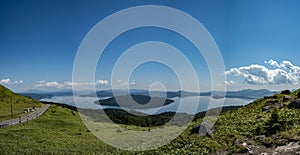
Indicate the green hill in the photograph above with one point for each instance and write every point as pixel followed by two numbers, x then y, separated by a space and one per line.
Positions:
pixel 263 125
pixel 9 99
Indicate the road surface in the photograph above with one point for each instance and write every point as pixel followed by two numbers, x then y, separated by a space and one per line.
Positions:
pixel 26 118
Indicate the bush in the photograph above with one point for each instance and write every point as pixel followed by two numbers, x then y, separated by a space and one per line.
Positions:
pixel 273 124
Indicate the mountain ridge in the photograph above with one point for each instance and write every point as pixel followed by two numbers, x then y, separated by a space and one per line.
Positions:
pixel 244 93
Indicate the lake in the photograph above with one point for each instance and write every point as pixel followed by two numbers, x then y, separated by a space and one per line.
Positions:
pixel 190 105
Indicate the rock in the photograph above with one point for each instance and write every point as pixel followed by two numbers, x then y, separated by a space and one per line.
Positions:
pixel 298 94
pixel 266 108
pixel 270 107
pixel 290 147
pixel 260 137
pixel 274 137
pixel 236 142
pixel 272 101
pixel 295 104
pixel 248 147
pixel 270 97
pixel 203 129
pixel 286 98
pixel 286 92
pixel 279 105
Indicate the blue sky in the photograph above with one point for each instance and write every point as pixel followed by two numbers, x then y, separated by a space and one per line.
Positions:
pixel 39 41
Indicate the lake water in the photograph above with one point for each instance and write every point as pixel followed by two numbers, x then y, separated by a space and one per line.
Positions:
pixel 190 105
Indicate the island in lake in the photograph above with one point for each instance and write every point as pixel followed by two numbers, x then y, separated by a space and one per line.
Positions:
pixel 127 101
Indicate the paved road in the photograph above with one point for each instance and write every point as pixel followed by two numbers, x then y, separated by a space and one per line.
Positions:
pixel 25 118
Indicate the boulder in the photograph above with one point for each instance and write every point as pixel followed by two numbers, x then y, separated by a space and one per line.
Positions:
pixel 260 137
pixel 203 129
pixel 236 142
pixel 274 137
pixel 295 104
pixel 271 107
pixel 287 98
pixel 273 101
pixel 248 147
pixel 270 97
pixel 288 148
pixel 286 92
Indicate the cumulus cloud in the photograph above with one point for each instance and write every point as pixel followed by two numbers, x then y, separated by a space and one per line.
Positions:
pixel 9 82
pixel 5 81
pixel 283 73
pixel 18 82
pixel 52 84
pixel 229 82
pixel 272 63
pixel 67 84
pixel 132 82
pixel 102 82
pixel 124 83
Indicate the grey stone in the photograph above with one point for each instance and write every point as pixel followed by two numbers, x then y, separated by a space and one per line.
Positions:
pixel 272 101
pixel 287 98
pixel 271 107
pixel 236 142
pixel 274 137
pixel 295 104
pixel 270 97
pixel 203 129
pixel 261 137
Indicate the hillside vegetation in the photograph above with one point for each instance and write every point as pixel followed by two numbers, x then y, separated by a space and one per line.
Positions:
pixel 18 103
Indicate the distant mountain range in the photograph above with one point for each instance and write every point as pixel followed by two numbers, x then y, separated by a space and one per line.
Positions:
pixel 245 94
pixel 49 95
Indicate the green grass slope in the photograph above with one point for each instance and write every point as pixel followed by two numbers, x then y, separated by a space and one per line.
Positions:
pixel 9 99
pixel 278 127
pixel 59 131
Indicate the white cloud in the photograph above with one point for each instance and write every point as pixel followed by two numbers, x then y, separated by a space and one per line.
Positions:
pixel 9 82
pixel 5 81
pixel 67 84
pixel 123 83
pixel 229 82
pixel 132 82
pixel 18 82
pixel 284 73
pixel 51 84
pixel 102 82
pixel 272 63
